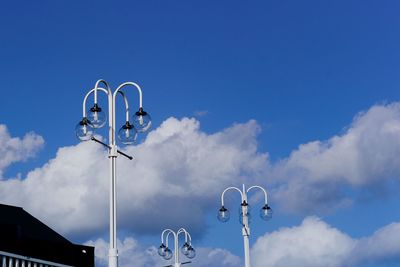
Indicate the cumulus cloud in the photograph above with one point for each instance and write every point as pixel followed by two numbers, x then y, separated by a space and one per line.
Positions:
pixel 14 149
pixel 313 243
pixel 178 170
pixel 316 175
pixel 382 246
pixel 132 254
pixel 316 244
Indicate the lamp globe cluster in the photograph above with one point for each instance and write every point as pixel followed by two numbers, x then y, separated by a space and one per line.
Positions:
pixel 127 134
pixel 265 213
pixel 187 249
pixel 244 209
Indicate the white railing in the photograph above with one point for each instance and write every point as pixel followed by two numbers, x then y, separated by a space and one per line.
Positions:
pixel 14 260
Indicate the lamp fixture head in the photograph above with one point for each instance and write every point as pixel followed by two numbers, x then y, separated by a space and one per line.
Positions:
pixel 161 250
pixel 141 121
pixel 266 213
pixel 223 214
pixel 168 254
pixel 84 130
pixel 127 134
pixel 191 252
pixel 97 117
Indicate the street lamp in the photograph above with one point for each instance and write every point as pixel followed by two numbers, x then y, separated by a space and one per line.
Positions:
pixel 187 249
pixel 245 215
pixel 127 134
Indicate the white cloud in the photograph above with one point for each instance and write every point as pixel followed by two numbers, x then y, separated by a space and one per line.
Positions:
pixel 177 173
pixel 365 156
pixel 312 244
pixel 382 246
pixel 132 254
pixel 316 244
pixel 14 149
pixel 216 257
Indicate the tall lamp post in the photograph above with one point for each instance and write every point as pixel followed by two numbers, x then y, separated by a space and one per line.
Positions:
pixel 127 134
pixel 245 216
pixel 187 249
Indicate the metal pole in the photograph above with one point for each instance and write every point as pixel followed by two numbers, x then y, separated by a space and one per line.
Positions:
pixel 176 249
pixel 246 234
pixel 245 229
pixel 113 251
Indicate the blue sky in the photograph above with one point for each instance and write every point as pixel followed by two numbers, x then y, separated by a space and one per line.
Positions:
pixel 302 70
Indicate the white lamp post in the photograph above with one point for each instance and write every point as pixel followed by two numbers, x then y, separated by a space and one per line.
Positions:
pixel 187 249
pixel 245 216
pixel 127 134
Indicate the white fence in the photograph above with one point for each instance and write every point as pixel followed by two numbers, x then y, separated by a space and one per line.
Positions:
pixel 13 260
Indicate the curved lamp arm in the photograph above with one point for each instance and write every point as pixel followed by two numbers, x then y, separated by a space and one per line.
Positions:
pixel 94 90
pixel 126 105
pixel 96 86
pixel 262 189
pixel 167 237
pixel 136 86
pixel 166 232
pixel 114 101
pixel 187 235
pixel 231 188
pixel 108 92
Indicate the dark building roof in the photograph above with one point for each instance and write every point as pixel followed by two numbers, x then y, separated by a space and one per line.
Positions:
pixel 23 234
